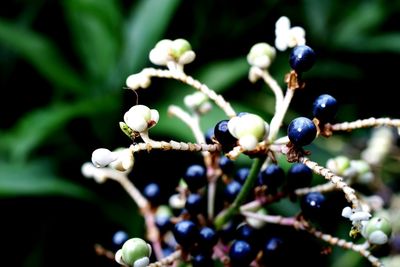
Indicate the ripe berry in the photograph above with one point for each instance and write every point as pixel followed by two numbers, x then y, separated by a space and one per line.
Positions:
pixel 223 136
pixel 195 177
pixel 242 174
pixel 232 189
pixel 119 238
pixel 247 233
pixel 185 233
pixel 241 253
pixel 301 131
pixel 152 192
pixel 226 165
pixel 312 205
pixel 273 176
pixel 299 176
pixel 194 204
pixel 274 251
pixel 209 135
pixel 302 58
pixel 207 238
pixel 202 260
pixel 325 108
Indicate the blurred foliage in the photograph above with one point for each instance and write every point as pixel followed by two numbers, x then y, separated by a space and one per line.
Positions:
pixel 63 66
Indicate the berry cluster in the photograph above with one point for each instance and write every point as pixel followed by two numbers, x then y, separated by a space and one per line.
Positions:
pixel 223 212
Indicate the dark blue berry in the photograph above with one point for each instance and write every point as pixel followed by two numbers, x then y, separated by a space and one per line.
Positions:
pixel 273 251
pixel 299 176
pixel 301 131
pixel 232 189
pixel 325 108
pixel 202 260
pixel 241 253
pixel 312 205
pixel 207 238
pixel 247 233
pixel 195 204
pixel 195 177
pixel 223 136
pixel 302 58
pixel 163 223
pixel 228 231
pixel 119 238
pixel 185 233
pixel 273 176
pixel 152 192
pixel 226 165
pixel 209 136
pixel 241 175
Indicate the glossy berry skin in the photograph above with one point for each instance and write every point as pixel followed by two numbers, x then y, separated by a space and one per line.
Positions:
pixel 241 253
pixel 325 108
pixel 302 58
pixel 209 136
pixel 299 176
pixel 301 131
pixel 226 165
pixel 273 176
pixel 208 237
pixel 195 177
pixel 202 260
pixel 247 233
pixel 152 192
pixel 195 204
pixel 273 250
pixel 163 223
pixel 185 233
pixel 232 189
pixel 223 136
pixel 241 175
pixel 118 239
pixel 312 205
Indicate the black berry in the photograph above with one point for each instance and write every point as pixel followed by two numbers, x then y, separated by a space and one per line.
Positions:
pixel 195 177
pixel 241 253
pixel 207 238
pixel 195 204
pixel 302 58
pixel 299 176
pixel 226 165
pixel 325 108
pixel 185 233
pixel 152 192
pixel 301 131
pixel 241 175
pixel 312 205
pixel 232 189
pixel 273 176
pixel 223 136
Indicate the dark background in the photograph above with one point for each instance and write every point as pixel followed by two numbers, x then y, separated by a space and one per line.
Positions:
pixel 63 66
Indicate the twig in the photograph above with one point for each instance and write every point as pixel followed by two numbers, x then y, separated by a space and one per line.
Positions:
pixel 167 260
pixel 276 89
pixel 365 123
pixel 173 145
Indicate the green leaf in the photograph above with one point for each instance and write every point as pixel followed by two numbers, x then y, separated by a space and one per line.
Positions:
pixel 34 129
pixel 36 179
pixel 145 26
pixel 96 29
pixel 317 14
pixel 388 42
pixel 42 54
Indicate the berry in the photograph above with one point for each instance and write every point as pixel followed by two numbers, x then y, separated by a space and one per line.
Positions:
pixel 185 233
pixel 241 253
pixel 302 58
pixel 226 164
pixel 152 192
pixel 312 205
pixel 194 204
pixel 136 250
pixel 119 238
pixel 378 230
pixel 242 174
pixel 325 108
pixel 247 233
pixel 207 238
pixel 301 131
pixel 273 250
pixel 273 176
pixel 223 136
pixel 195 177
pixel 299 176
pixel 232 189
pixel 209 136
pixel 202 260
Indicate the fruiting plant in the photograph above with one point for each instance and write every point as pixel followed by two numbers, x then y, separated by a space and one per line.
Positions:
pixel 206 226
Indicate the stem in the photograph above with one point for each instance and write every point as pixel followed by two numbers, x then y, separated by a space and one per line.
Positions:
pixel 365 123
pixel 279 115
pixel 233 209
pixel 268 79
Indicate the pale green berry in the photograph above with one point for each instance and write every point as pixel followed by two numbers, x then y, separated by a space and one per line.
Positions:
pixel 378 230
pixel 179 47
pixel 361 166
pixel 135 249
pixel 261 55
pixel 338 164
pixel 164 210
pixel 141 110
pixel 250 124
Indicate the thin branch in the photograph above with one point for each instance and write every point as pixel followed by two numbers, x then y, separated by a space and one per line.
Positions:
pixel 173 145
pixel 276 89
pixel 365 123
pixel 167 261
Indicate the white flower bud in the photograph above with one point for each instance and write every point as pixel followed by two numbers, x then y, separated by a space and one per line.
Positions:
pixel 159 55
pixel 347 212
pixel 87 169
pixel 101 157
pixel 360 216
pixel 118 257
pixel 261 55
pixel 139 80
pixel 136 122
pixel 143 262
pixel 187 57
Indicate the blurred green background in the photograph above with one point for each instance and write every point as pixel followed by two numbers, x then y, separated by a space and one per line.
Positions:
pixel 63 66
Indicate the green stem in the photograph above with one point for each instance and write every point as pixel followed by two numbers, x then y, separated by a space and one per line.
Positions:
pixel 233 209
